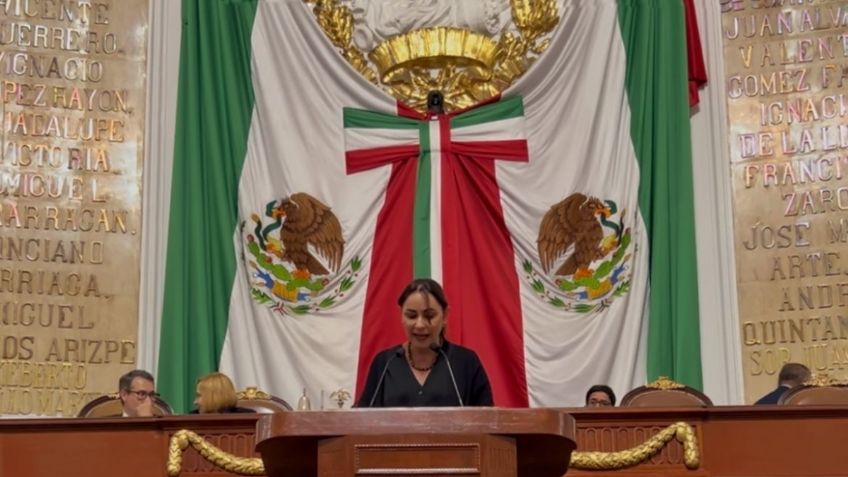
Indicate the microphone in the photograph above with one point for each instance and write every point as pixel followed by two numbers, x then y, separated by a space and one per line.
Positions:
pixel 438 348
pixel 398 352
pixel 435 102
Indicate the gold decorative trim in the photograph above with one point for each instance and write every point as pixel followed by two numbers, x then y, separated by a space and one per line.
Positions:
pixel 821 380
pixel 337 23
pixel 340 396
pixel 428 46
pixel 664 383
pixel 681 431
pixel 534 19
pixel 467 67
pixel 237 465
pixel 253 393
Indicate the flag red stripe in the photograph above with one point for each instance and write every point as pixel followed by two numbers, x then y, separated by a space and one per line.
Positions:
pixel 506 150
pixel 363 159
pixel 391 268
pixel 695 64
pixel 478 267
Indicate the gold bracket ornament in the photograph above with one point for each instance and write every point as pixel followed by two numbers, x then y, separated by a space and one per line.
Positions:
pixel 237 465
pixel 825 380
pixel 253 394
pixel 465 66
pixel 664 383
pixel 340 396
pixel 681 431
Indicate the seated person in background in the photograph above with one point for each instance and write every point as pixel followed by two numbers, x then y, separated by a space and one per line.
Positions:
pixel 426 370
pixel 216 394
pixel 791 375
pixel 136 391
pixel 600 395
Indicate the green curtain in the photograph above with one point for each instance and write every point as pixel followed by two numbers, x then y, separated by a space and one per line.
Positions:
pixel 654 34
pixel 213 119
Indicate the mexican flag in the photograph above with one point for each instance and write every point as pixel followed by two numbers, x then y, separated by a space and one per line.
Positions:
pixel 558 215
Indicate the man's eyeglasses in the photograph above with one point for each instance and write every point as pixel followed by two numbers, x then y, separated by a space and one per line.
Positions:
pixel 142 395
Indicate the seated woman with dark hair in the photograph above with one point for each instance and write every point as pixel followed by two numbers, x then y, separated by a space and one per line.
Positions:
pixel 600 395
pixel 216 394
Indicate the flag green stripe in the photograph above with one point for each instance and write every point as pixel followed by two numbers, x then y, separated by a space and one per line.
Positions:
pixel 505 109
pixel 654 34
pixel 213 120
pixel 361 118
pixel 421 223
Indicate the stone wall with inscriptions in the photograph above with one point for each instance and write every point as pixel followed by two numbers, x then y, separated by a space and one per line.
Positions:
pixel 72 79
pixel 786 77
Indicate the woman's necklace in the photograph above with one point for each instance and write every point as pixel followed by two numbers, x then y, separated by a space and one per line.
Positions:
pixel 411 363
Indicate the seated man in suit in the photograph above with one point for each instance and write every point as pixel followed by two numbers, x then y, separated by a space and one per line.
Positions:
pixel 791 375
pixel 136 391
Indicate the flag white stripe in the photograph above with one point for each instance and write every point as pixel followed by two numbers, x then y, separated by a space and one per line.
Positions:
pixel 435 202
pixel 368 138
pixel 511 129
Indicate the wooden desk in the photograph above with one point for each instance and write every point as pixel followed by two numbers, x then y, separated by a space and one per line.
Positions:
pixel 748 441
pixel 122 446
pixel 445 441
pixel 734 441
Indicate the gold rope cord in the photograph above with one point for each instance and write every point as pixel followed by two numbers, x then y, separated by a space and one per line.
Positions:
pixel 237 465
pixel 628 458
pixel 579 460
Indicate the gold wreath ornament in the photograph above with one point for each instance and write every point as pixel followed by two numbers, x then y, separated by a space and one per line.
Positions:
pixel 664 383
pixel 467 67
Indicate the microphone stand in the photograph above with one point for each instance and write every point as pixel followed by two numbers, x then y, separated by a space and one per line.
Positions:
pixel 438 348
pixel 397 353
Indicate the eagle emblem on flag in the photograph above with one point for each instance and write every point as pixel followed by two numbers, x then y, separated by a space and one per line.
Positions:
pixel 591 252
pixel 295 251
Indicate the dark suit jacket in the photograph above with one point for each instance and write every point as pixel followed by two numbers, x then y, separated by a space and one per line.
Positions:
pixel 774 396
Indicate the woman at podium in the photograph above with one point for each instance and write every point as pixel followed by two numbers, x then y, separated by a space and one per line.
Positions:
pixel 427 370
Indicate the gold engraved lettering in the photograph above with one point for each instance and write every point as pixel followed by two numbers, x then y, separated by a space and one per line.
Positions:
pixel 32 124
pixel 44 315
pixel 49 282
pixel 18 348
pixel 91 351
pixel 767 361
pixel 64 218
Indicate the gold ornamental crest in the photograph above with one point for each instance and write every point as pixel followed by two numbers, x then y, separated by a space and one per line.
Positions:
pixel 465 66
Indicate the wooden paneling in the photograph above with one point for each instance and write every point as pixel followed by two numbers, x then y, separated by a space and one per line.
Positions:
pixel 733 442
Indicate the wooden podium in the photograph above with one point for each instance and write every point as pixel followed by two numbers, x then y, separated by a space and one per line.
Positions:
pixel 487 442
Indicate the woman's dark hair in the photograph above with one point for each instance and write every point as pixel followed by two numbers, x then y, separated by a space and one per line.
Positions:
pixel 424 285
pixel 602 388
